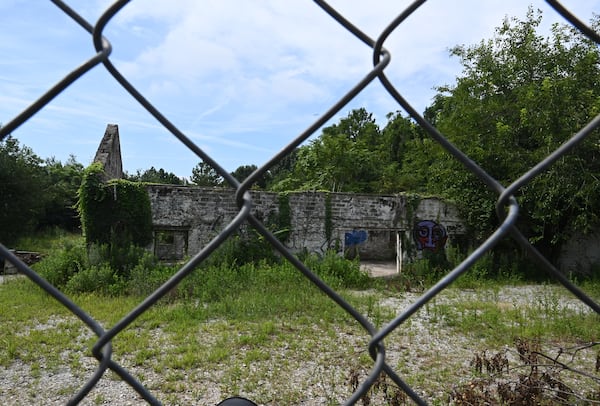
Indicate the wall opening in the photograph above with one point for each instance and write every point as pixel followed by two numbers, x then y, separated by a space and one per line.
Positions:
pixel 171 244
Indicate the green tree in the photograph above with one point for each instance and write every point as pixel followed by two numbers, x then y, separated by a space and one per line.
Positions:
pixel 205 175
pixel 354 155
pixel 344 158
pixel 401 141
pixel 243 171
pixel 61 183
pixel 154 175
pixel 280 174
pixel 21 190
pixel 521 95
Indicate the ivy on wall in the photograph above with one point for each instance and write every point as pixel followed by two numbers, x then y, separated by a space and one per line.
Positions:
pixel 284 220
pixel 116 212
pixel 412 204
pixel 328 219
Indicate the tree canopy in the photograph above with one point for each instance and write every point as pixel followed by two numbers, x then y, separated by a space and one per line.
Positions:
pixel 154 175
pixel 35 193
pixel 205 175
pixel 60 191
pixel 355 155
pixel 520 96
pixel 21 186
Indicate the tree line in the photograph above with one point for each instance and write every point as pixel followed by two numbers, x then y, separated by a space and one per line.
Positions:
pixel 519 96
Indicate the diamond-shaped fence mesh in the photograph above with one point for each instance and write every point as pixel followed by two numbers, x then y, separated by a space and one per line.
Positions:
pixel 507 204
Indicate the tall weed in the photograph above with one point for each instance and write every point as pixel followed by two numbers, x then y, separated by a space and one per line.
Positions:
pixel 100 279
pixel 338 271
pixel 148 275
pixel 60 266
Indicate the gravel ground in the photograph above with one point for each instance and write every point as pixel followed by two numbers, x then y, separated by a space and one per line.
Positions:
pixel 310 369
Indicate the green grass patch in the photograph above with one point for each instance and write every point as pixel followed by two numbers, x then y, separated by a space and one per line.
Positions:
pixel 48 241
pixel 548 314
pixel 263 321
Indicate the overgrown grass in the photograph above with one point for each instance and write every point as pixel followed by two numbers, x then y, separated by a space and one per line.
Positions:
pixel 263 329
pixel 495 321
pixel 48 241
pixel 276 326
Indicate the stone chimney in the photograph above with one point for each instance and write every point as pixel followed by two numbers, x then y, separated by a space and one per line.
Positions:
pixel 109 153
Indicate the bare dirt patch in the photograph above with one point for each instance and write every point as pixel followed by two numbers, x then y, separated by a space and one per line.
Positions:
pixel 312 365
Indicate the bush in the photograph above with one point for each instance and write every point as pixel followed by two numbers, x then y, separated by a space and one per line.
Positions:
pixel 338 271
pixel 99 279
pixel 246 247
pixel 121 258
pixel 235 268
pixel 98 267
pixel 148 275
pixel 61 265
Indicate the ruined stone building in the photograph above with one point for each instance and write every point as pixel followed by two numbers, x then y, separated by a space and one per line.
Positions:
pixel 185 218
pixel 373 226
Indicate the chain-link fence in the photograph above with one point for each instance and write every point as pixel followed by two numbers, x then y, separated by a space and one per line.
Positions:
pixel 507 205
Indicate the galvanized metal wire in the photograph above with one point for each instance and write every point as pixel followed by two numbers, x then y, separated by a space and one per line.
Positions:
pixel 507 205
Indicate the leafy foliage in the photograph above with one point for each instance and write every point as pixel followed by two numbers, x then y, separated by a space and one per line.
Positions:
pixel 205 175
pixel 116 218
pixel 62 264
pixel 62 182
pixel 78 267
pixel 520 96
pixel 116 213
pixel 355 155
pixel 343 158
pixel 21 190
pixel 35 193
pixel 243 171
pixel 154 175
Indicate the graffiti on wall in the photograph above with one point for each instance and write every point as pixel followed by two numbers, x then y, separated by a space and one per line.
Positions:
pixel 430 235
pixel 355 237
pixel 352 239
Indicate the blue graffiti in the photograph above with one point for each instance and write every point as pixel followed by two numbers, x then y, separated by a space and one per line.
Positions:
pixel 355 237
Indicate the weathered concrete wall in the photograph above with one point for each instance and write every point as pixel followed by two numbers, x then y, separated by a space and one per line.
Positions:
pixel 372 226
pixel 581 254
pixel 199 214
pixel 109 153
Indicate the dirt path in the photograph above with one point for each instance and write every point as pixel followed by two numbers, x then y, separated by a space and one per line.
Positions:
pixel 379 269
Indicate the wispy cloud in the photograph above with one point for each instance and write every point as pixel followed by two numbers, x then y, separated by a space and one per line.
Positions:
pixel 242 78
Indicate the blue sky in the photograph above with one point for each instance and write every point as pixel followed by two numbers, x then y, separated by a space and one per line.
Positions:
pixel 240 78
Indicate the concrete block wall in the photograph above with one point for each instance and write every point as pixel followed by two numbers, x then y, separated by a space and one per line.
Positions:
pixel 200 214
pixel 581 254
pixel 186 218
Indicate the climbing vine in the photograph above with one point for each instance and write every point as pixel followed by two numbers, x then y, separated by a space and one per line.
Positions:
pixel 412 204
pixel 284 221
pixel 328 218
pixel 116 212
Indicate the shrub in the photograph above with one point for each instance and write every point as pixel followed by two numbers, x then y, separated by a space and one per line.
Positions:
pixel 338 271
pixel 61 265
pixel 246 247
pixel 121 258
pixel 148 275
pixel 99 279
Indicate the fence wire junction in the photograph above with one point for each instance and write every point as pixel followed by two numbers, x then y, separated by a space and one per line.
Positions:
pixel 507 206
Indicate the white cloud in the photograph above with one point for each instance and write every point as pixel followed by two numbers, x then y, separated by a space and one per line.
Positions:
pixel 248 75
pixel 291 51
